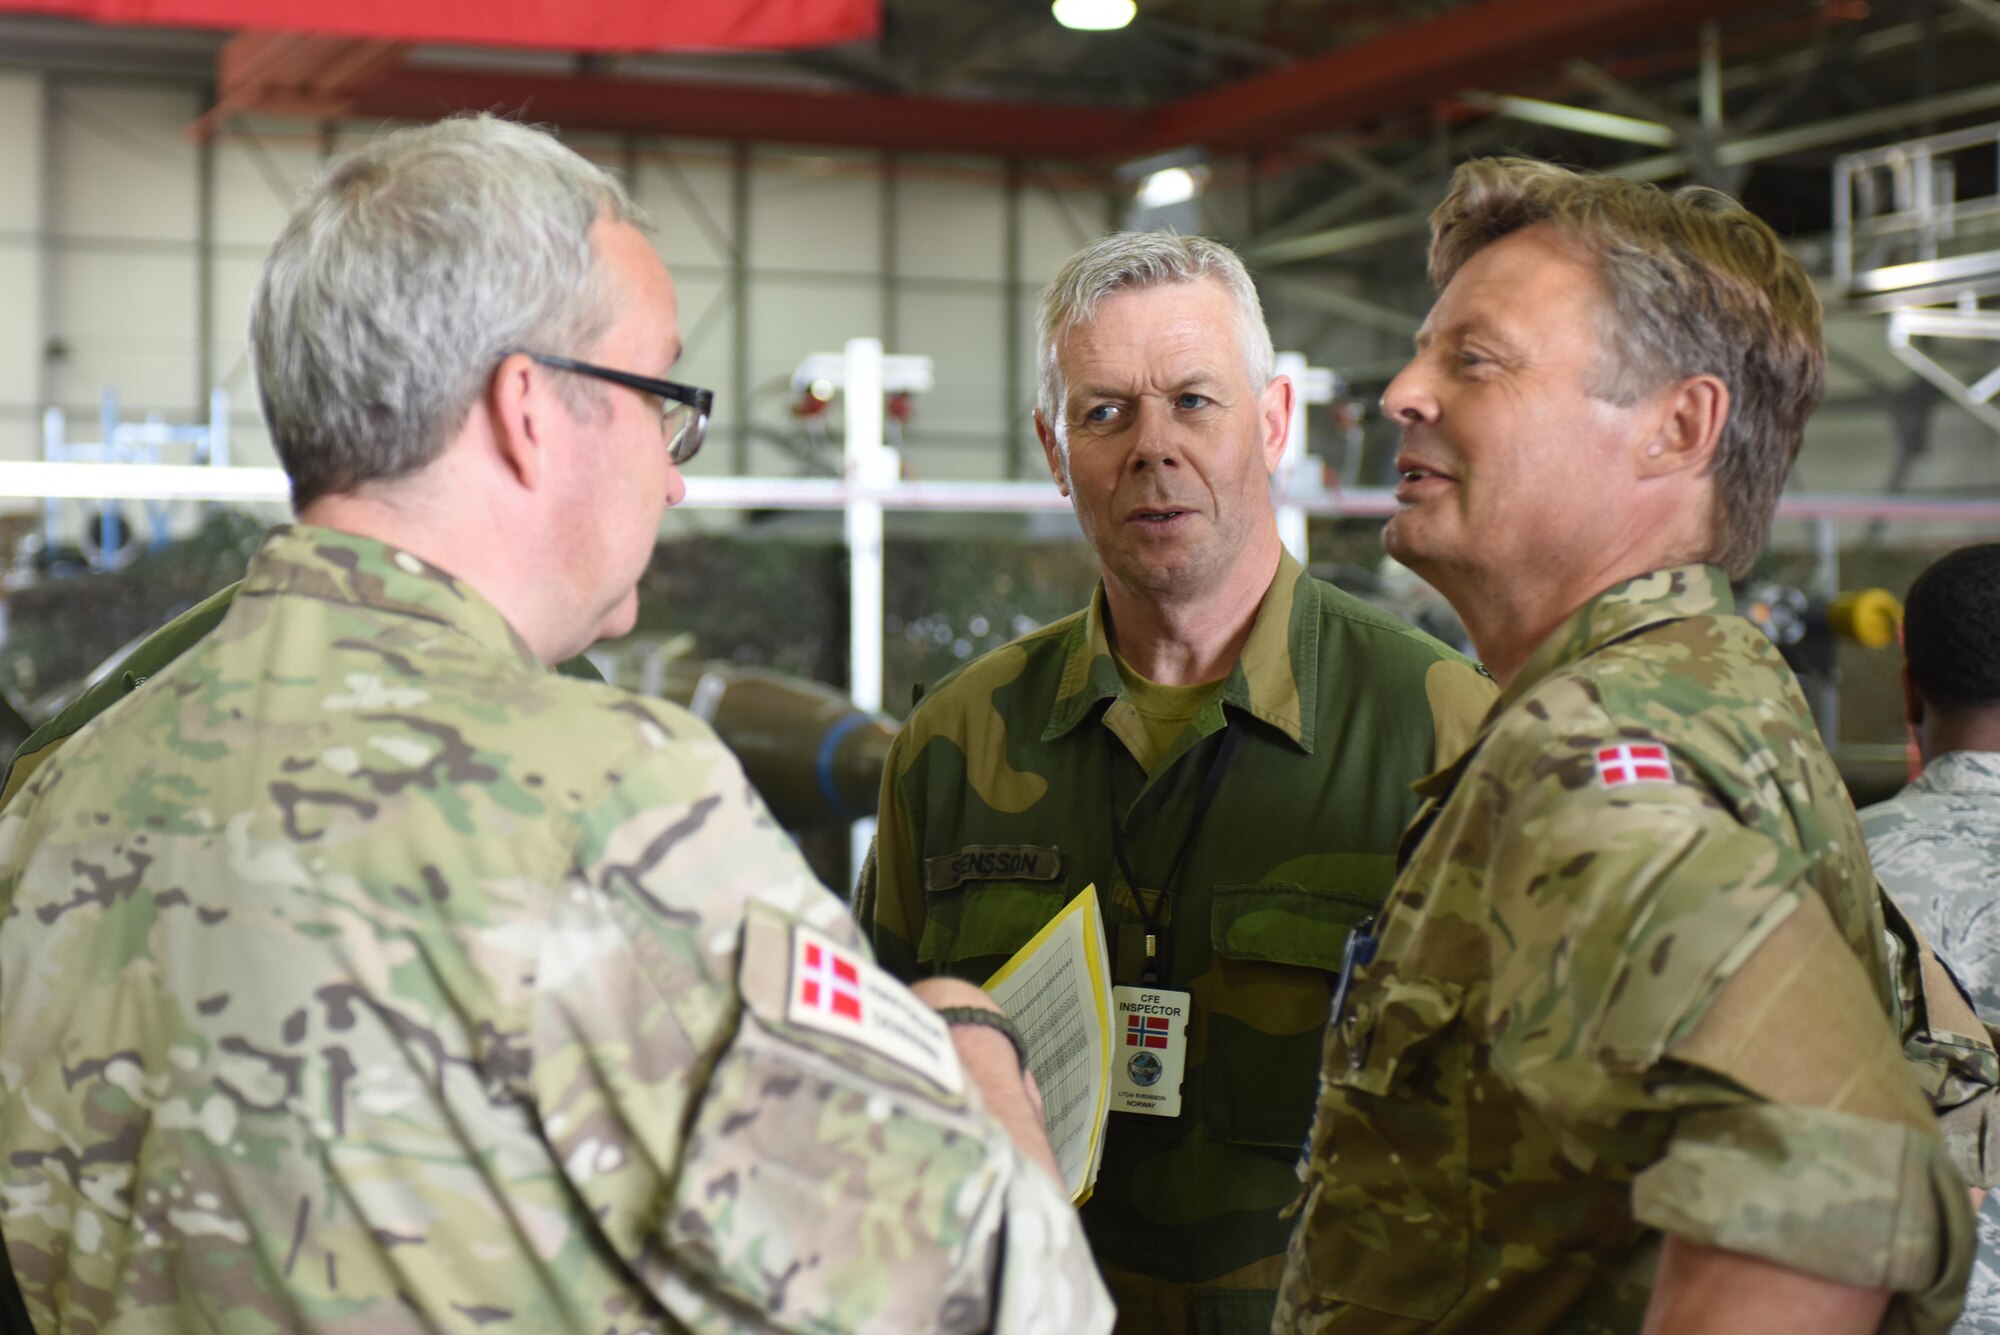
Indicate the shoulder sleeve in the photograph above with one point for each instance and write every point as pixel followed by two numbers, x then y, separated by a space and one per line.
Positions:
pixel 889 896
pixel 1675 999
pixel 1622 891
pixel 762 1120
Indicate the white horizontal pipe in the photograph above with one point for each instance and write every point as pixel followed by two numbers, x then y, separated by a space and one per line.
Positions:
pixel 36 480
pixel 42 480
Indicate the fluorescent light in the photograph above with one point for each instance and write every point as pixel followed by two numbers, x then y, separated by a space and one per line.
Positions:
pixel 1094 15
pixel 1169 185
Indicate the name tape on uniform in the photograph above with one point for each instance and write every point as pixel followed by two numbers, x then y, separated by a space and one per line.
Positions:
pixel 992 862
pixel 1149 1027
pixel 837 991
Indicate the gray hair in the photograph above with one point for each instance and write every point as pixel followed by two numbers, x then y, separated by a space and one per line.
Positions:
pixel 1135 261
pixel 407 272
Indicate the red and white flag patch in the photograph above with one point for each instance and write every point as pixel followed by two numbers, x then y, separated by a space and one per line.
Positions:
pixel 830 982
pixel 1629 763
pixel 838 991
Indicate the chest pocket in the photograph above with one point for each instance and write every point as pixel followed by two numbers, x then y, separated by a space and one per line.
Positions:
pixel 1387 1215
pixel 1276 949
pixel 982 904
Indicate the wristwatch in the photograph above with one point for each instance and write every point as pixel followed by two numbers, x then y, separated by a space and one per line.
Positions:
pixel 992 1019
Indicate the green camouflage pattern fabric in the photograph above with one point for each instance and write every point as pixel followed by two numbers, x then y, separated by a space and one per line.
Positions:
pixel 1601 1011
pixel 1936 847
pixel 358 974
pixel 157 650
pixel 995 812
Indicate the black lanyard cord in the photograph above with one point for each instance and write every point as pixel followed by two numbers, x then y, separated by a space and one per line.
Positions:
pixel 1150 915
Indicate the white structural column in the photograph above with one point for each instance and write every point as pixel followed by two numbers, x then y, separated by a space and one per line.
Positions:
pixel 868 462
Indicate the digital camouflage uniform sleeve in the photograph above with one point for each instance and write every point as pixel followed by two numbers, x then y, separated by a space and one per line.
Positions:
pixel 1724 998
pixel 820 1183
pixel 1949 1048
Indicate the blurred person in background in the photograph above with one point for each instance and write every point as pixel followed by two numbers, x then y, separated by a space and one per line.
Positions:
pixel 1936 844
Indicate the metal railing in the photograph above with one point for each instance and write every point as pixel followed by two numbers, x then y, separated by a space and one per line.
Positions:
pixel 1905 233
pixel 1911 242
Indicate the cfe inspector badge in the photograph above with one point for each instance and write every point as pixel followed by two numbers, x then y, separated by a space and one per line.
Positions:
pixel 1149 1033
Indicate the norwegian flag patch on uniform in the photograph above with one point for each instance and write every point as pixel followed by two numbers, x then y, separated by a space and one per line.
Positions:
pixel 1630 763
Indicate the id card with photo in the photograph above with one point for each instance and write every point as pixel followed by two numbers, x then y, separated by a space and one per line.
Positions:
pixel 1149 1035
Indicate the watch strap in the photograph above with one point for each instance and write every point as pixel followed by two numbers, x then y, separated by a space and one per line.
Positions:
pixel 991 1019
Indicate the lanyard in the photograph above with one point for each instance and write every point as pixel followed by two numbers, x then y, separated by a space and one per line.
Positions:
pixel 1150 915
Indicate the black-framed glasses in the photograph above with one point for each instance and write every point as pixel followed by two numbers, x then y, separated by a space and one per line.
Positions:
pixel 684 409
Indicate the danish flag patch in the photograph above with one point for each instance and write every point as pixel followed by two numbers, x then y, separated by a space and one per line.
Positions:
pixel 1146 1031
pixel 829 982
pixel 837 991
pixel 1627 763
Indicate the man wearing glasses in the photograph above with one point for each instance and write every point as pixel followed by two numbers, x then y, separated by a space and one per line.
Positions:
pixel 358 973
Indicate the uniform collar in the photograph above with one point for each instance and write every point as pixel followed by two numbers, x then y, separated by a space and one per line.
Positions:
pixel 1278 669
pixel 1621 611
pixel 1962 773
pixel 301 561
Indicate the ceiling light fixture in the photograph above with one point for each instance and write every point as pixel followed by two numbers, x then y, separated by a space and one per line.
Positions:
pixel 1169 185
pixel 1094 15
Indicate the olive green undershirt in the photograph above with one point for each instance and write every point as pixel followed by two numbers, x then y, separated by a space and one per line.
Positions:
pixel 1164 713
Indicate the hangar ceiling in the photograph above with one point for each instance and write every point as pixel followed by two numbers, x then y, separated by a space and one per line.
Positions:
pixel 1348 104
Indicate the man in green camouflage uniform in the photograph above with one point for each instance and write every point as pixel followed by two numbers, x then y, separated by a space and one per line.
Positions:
pixel 1205 648
pixel 1936 844
pixel 357 973
pixel 1619 1047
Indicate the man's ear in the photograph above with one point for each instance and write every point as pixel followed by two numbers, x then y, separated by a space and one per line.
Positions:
pixel 1274 419
pixel 1053 452
pixel 1694 413
pixel 520 402
pixel 1913 703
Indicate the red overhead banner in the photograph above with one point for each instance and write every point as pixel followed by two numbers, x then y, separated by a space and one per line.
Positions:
pixel 562 25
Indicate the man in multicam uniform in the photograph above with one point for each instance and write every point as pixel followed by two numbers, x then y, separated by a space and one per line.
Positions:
pixel 1162 421
pixel 359 974
pixel 1622 1052
pixel 1936 844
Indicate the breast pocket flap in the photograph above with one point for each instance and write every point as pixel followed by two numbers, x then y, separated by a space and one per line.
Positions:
pixel 1388 1024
